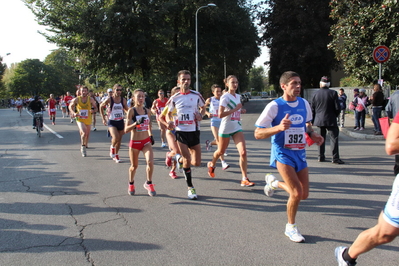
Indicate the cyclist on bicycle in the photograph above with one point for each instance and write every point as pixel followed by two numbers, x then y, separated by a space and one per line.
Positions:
pixel 36 106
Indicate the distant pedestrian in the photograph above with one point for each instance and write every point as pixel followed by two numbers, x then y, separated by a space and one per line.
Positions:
pixel 342 105
pixel 387 228
pixel 361 102
pixel 325 110
pixel 377 103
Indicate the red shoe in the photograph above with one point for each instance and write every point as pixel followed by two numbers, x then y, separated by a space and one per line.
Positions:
pixel 131 190
pixel 211 170
pixel 172 174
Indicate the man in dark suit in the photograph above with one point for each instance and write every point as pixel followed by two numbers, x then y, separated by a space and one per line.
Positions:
pixel 325 110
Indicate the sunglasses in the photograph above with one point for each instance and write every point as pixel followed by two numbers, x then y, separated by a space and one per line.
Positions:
pixel 118 89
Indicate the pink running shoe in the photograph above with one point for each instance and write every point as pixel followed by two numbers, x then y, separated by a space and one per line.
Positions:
pixel 172 174
pixel 150 189
pixel 131 190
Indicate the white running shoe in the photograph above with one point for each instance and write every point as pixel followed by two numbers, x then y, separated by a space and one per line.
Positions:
pixel 269 189
pixel 116 158
pixel 293 233
pixel 83 150
pixel 225 165
pixel 163 145
pixel 225 154
pixel 339 251
pixel 192 194
pixel 94 129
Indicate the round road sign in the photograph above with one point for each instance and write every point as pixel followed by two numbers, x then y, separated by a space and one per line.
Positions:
pixel 381 54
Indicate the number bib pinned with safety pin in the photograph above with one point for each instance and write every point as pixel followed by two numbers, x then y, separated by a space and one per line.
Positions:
pixel 294 138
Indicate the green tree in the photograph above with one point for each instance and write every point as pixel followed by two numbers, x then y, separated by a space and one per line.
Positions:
pixel 256 78
pixel 2 71
pixel 145 43
pixel 362 26
pixel 29 78
pixel 297 33
pixel 61 76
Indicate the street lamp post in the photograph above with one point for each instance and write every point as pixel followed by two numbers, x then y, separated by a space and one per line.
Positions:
pixel 196 45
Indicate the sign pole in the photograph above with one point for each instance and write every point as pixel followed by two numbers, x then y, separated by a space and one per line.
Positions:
pixel 379 71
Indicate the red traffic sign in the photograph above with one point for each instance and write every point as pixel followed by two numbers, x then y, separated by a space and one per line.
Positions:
pixel 381 54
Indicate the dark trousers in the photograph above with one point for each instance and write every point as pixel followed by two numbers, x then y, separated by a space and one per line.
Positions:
pixel 333 133
pixel 360 118
pixel 376 116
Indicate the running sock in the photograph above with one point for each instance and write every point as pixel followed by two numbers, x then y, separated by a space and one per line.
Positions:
pixel 348 258
pixel 244 178
pixel 223 161
pixel 131 183
pixel 149 182
pixel 187 176
pixel 54 119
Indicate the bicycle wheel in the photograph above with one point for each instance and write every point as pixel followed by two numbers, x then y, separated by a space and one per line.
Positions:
pixel 38 130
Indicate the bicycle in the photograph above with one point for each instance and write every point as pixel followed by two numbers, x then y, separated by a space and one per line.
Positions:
pixel 38 123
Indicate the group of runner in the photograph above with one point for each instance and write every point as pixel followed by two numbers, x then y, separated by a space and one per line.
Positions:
pixel 286 120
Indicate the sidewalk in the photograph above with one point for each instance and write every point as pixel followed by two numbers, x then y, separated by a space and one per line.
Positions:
pixel 367 133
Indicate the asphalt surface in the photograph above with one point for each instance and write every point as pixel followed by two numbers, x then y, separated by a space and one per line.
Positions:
pixel 58 208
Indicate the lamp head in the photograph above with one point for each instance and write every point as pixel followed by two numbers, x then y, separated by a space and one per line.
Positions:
pixel 211 5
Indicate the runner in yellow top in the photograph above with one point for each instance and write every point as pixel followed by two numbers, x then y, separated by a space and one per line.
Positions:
pixel 85 106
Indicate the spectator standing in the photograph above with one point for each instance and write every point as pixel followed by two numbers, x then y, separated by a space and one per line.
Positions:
pixel 360 102
pixel 325 110
pixel 342 104
pixel 377 103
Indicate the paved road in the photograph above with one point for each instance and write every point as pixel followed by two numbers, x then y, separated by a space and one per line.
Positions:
pixel 58 208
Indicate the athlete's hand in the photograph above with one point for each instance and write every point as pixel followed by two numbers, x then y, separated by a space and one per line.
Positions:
pixel 198 116
pixel 285 123
pixel 171 125
pixel 152 140
pixel 238 106
pixel 317 138
pixel 104 122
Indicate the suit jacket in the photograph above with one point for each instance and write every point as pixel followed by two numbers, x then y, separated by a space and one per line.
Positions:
pixel 325 108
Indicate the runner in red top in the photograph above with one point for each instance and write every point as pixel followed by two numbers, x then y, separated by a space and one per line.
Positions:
pixel 68 99
pixel 51 102
pixel 157 107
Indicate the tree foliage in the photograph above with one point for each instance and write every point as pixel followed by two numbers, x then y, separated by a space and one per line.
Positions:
pixel 28 79
pixel 256 79
pixel 2 71
pixel 297 33
pixel 362 26
pixel 145 43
